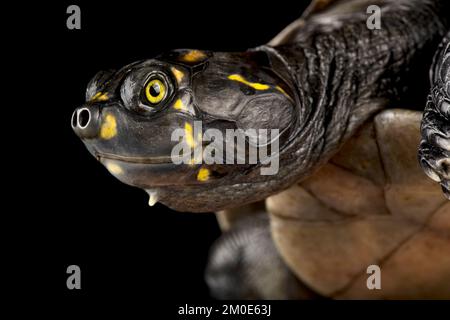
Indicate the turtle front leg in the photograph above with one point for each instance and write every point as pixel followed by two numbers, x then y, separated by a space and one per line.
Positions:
pixel 434 149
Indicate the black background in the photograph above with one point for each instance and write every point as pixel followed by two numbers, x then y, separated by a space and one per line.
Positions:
pixel 62 207
pixel 70 209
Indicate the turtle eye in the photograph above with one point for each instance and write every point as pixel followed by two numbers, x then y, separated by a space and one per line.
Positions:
pixel 155 91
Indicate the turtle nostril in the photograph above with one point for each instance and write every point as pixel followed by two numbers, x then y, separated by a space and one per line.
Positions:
pixel 86 122
pixel 74 119
pixel 84 117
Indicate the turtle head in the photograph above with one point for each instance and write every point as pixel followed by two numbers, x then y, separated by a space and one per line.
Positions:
pixel 151 123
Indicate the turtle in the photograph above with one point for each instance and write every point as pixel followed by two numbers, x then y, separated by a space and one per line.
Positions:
pixel 352 147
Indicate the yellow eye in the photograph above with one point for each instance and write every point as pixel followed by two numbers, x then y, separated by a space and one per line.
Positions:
pixel 155 91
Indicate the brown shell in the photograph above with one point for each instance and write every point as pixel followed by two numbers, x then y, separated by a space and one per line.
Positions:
pixel 371 204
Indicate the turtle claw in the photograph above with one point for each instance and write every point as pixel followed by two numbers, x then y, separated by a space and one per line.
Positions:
pixel 446 188
pixel 434 149
pixel 429 171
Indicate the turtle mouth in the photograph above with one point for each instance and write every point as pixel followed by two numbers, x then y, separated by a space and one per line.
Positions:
pixel 137 160
pixel 149 172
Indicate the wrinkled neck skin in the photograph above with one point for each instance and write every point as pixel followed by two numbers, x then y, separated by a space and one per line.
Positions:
pixel 342 74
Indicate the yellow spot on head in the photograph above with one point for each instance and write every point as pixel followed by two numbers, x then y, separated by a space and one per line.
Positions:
pixel 179 105
pixel 109 127
pixel 114 168
pixel 189 133
pixel 254 85
pixel 282 91
pixel 193 56
pixel 99 96
pixel 203 174
pixel 177 74
pixel 193 143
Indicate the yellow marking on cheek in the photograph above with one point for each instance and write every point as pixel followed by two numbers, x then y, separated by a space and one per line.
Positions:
pixel 189 133
pixel 114 168
pixel 254 85
pixel 179 105
pixel 196 159
pixel 203 174
pixel 193 142
pixel 109 127
pixel 100 96
pixel 193 56
pixel 198 154
pixel 177 74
